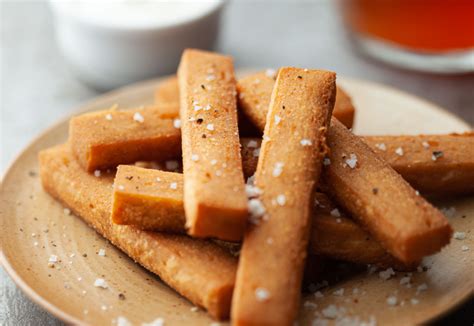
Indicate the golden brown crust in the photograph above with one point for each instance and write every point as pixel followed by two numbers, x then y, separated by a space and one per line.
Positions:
pixel 376 196
pixel 215 201
pixel 432 164
pixel 180 261
pixel 454 169
pixel 268 284
pixel 254 97
pixel 107 138
pixel 254 92
pixel 148 199
pixel 336 237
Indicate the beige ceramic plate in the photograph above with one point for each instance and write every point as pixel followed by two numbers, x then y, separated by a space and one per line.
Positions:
pixel 33 227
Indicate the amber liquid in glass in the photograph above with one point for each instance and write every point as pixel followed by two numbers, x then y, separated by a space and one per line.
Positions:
pixel 421 25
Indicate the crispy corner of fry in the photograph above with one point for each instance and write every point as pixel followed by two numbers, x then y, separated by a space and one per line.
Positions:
pixel 298 116
pixel 254 98
pixel 215 200
pixel 105 139
pixel 374 194
pixel 149 199
pixel 448 157
pixel 176 259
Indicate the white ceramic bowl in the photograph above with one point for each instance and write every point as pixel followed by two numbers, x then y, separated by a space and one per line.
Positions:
pixel 107 53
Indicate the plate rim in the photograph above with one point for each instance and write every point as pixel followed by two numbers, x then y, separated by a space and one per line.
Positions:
pixel 82 107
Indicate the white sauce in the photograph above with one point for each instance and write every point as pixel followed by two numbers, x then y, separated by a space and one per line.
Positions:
pixel 136 13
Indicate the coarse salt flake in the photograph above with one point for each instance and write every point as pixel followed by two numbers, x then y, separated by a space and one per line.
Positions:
pixel 278 169
pixel 464 248
pixel 108 116
pixel 399 151
pixel 213 162
pixel 67 211
pixel 195 157
pixel 318 294
pixel 277 119
pixel 449 211
pixel 326 161
pixel 405 280
pixel 414 301
pixel 100 283
pixel 381 146
pixel 256 152
pixel 310 305
pixel 262 294
pixel 305 142
pixel 281 200
pixel 53 259
pixel 97 173
pixel 330 312
pixel 101 252
pixel 138 117
pixel 386 274
pixel 256 208
pixel 425 144
pixel 252 191
pixel 339 292
pixel 392 300
pixel 459 235
pixel 352 161
pixel 156 322
pixel 177 123
pixel 210 126
pixel 421 288
pixel 335 212
pixel 122 321
pixel 120 187
pixel 173 185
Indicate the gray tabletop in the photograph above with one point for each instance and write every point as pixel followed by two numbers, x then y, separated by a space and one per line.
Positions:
pixel 37 89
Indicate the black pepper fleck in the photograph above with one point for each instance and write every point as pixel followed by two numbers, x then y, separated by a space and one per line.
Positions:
pixel 375 191
pixel 121 296
pixel 438 154
pixel 129 177
pixel 300 77
pixel 203 136
pixel 199 121
pixel 203 87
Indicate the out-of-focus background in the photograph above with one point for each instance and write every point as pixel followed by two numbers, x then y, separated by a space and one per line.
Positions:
pixel 38 88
